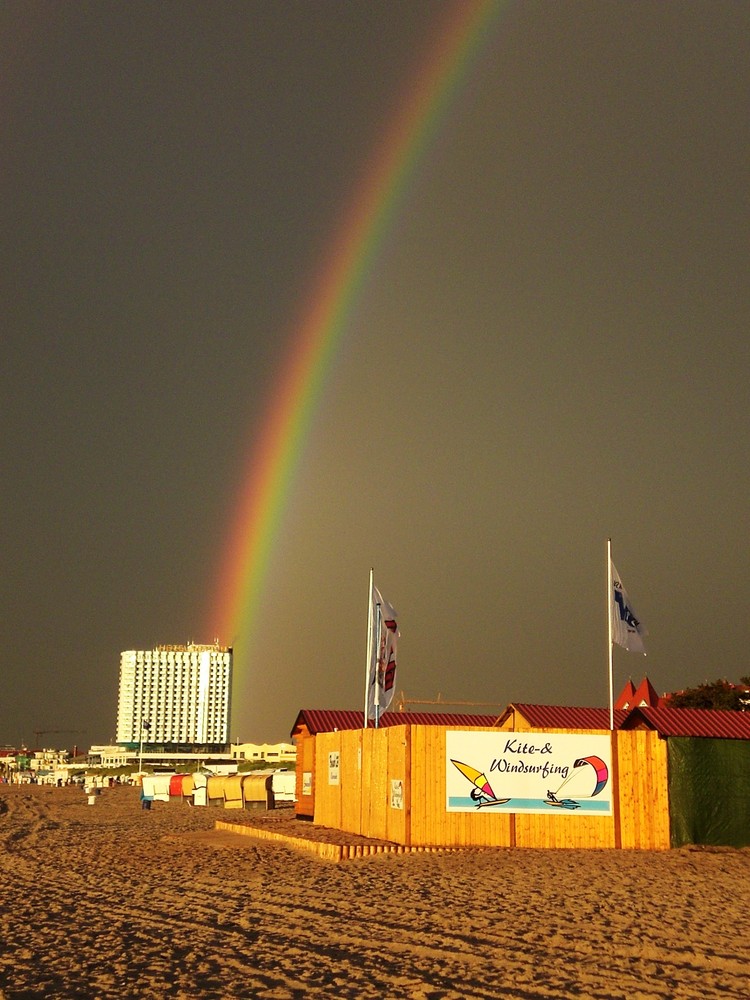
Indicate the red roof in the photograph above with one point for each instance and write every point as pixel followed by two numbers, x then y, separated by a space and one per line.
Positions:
pixel 706 722
pixel 563 717
pixel 667 722
pixel 625 697
pixel 645 695
pixel 324 720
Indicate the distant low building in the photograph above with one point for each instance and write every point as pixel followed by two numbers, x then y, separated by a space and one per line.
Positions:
pixel 178 759
pixel 273 753
pixel 111 756
pixel 48 760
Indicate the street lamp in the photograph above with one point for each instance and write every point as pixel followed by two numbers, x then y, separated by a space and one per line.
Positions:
pixel 145 725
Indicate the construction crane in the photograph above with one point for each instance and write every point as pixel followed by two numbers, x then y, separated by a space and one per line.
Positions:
pixel 402 700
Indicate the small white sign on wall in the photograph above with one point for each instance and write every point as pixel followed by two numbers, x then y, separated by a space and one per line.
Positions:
pixel 333 767
pixel 397 793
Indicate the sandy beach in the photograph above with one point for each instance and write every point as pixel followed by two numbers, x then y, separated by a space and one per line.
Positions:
pixel 107 900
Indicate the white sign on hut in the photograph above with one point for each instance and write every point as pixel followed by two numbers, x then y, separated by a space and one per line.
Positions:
pixel 566 773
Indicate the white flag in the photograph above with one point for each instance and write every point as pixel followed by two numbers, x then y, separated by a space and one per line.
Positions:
pixel 627 629
pixel 382 667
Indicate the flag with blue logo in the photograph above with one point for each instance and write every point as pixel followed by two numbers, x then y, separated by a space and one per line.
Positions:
pixel 627 629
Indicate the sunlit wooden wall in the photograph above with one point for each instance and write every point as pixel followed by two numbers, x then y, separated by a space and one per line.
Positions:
pixel 391 786
pixel 305 801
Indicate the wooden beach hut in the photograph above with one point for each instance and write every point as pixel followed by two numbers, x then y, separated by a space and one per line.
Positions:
pixel 666 777
pixel 312 722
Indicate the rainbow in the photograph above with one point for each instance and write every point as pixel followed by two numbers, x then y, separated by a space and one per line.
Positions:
pixel 267 481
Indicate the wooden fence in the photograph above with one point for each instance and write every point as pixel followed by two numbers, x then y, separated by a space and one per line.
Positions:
pixel 390 784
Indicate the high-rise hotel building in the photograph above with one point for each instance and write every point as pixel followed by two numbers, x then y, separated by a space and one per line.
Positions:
pixel 175 695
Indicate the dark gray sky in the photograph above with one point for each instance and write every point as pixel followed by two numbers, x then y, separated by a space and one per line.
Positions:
pixel 551 349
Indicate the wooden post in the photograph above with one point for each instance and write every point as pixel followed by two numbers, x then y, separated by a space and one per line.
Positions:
pixel 616 787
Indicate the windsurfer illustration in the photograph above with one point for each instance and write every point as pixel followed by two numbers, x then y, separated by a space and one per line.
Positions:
pixel 482 792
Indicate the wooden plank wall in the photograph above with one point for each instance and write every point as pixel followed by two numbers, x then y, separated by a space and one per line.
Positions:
pixel 398 799
pixel 566 829
pixel 350 789
pixel 431 824
pixel 305 805
pixel 371 760
pixel 644 795
pixel 327 796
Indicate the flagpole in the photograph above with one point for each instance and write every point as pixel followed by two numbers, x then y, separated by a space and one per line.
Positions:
pixel 609 634
pixel 369 648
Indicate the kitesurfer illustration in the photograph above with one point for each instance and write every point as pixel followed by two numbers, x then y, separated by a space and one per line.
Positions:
pixel 587 778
